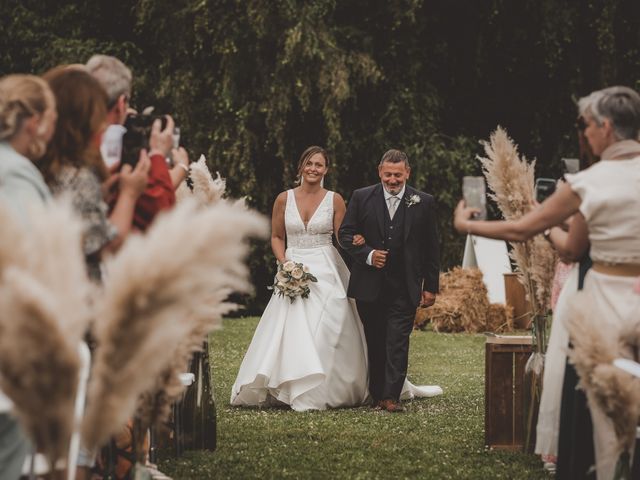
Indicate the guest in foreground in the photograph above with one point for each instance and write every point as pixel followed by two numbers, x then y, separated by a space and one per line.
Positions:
pixel 27 121
pixel 606 198
pixel 73 164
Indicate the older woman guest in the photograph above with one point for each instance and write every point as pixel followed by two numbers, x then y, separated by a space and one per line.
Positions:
pixel 606 199
pixel 27 121
pixel 73 164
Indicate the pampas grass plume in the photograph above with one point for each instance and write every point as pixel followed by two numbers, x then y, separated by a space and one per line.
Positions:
pixel 43 294
pixel 511 181
pixel 154 285
pixel 595 348
pixel 207 189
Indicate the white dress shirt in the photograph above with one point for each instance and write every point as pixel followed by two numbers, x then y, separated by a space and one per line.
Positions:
pixel 387 196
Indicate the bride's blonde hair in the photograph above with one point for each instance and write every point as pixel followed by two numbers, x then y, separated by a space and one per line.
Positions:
pixel 306 155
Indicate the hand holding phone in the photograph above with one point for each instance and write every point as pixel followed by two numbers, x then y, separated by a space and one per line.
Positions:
pixel 474 193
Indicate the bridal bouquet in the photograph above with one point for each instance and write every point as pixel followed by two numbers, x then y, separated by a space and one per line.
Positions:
pixel 292 280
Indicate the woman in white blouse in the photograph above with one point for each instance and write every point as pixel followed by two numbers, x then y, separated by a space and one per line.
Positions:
pixel 605 199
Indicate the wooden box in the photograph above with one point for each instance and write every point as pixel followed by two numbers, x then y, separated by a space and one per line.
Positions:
pixel 505 359
pixel 516 296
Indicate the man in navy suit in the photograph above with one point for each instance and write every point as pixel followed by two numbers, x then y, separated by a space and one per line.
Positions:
pixel 396 270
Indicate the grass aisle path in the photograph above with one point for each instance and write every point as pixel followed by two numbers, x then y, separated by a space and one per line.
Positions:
pixel 438 438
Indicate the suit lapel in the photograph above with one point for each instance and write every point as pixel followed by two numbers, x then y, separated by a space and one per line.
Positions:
pixel 408 211
pixel 379 206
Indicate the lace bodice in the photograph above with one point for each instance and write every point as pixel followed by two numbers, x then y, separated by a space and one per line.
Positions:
pixel 318 231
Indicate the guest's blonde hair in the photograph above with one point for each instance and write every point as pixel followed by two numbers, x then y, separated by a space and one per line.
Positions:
pixel 22 97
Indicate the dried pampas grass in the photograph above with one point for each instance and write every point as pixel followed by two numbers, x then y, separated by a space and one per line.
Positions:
pixel 511 181
pixel 154 406
pixel 206 189
pixel 510 178
pixel 154 286
pixel 595 348
pixel 39 364
pixel 183 192
pixel 463 306
pixel 209 190
pixel 43 293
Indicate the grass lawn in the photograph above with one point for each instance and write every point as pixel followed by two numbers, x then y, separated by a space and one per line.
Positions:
pixel 437 438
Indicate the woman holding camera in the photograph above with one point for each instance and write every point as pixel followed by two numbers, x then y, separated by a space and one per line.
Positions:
pixel 605 198
pixel 73 163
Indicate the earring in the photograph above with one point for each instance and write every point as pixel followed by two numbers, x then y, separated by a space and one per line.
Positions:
pixel 322 182
pixel 37 149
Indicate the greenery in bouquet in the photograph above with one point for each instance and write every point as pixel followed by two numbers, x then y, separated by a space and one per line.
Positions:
pixel 292 280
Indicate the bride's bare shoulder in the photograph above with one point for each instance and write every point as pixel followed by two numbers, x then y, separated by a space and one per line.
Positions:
pixel 337 199
pixel 281 199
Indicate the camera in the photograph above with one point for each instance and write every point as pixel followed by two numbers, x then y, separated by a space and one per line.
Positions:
pixel 544 188
pixel 137 136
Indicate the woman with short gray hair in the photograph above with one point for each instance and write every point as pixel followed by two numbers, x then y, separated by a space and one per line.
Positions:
pixel 606 199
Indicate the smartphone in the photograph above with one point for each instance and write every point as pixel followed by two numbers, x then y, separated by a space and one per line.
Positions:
pixel 474 194
pixel 571 165
pixel 137 136
pixel 544 188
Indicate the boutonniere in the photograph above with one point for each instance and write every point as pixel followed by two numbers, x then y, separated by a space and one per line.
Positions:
pixel 413 200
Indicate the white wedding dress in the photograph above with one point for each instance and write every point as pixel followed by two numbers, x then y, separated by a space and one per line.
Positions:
pixel 310 354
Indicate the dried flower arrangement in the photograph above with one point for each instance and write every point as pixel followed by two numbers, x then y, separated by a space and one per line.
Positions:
pixel 161 289
pixel 615 392
pixel 511 181
pixel 43 293
pixel 154 405
pixel 204 187
pixel 163 293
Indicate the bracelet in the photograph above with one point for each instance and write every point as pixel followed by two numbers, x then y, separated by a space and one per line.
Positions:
pixel 183 166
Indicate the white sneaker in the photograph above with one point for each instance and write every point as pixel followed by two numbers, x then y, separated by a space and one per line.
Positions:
pixel 549 467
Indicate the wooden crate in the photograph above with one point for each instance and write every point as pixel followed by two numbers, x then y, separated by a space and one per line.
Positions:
pixel 505 359
pixel 516 296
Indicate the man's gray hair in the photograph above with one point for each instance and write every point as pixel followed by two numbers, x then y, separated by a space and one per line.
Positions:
pixel 113 75
pixel 395 156
pixel 620 105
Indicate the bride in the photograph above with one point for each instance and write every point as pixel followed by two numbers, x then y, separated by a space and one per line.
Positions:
pixel 309 354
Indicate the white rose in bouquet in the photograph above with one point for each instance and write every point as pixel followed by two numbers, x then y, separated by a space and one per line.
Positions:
pixel 297 273
pixel 292 280
pixel 282 277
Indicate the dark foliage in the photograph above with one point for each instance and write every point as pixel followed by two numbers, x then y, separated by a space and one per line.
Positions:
pixel 252 83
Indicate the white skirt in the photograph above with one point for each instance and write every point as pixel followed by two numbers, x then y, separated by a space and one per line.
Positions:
pixel 309 354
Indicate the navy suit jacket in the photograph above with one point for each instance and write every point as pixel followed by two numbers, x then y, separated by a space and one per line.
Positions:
pixel 365 216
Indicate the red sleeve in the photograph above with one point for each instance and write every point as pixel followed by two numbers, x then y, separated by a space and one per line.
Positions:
pixel 158 196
